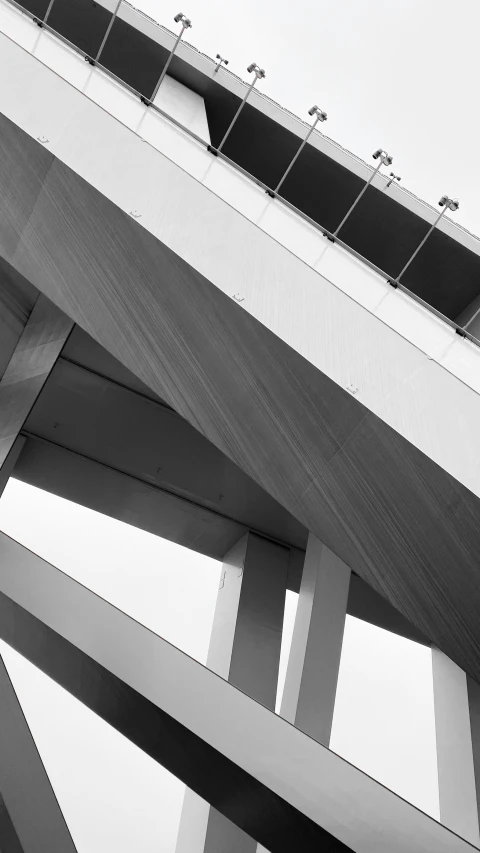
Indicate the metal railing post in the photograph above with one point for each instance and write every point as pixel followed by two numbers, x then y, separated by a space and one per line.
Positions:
pixel 112 21
pixel 447 204
pixel 320 115
pixel 259 74
pixel 384 160
pixel 39 22
pixel 186 23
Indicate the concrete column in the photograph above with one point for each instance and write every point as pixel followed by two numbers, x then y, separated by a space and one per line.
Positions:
pixel 277 784
pixel 457 711
pixel 312 672
pixel 245 650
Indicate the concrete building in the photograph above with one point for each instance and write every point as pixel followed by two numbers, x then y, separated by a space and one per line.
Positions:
pixel 186 350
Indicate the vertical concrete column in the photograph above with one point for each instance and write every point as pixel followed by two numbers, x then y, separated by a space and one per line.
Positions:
pixel 245 650
pixel 312 672
pixel 457 712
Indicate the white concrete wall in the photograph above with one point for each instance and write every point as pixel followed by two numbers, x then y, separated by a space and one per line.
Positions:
pixel 183 105
pixel 456 773
pixel 399 359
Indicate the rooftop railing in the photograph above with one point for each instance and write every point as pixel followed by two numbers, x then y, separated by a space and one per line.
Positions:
pixel 329 235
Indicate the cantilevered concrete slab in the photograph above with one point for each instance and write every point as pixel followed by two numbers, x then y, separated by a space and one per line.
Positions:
pixel 284 789
pixel 386 228
pixel 402 361
pixel 390 513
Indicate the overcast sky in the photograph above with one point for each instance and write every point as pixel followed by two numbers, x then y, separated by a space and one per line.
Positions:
pixel 396 74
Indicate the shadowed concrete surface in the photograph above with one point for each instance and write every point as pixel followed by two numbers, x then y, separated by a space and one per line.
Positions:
pixel 389 512
pixel 36 352
pixel 30 817
pixel 101 438
pixel 8 837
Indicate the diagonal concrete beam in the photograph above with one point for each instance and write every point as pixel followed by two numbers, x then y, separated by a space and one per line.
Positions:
pixel 282 788
pixel 388 511
pixel 25 375
pixel 17 298
pixel 30 816
pixel 9 840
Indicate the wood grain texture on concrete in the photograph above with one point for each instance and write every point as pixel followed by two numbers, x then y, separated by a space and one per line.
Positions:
pixel 36 352
pixel 150 443
pixel 388 511
pixel 17 298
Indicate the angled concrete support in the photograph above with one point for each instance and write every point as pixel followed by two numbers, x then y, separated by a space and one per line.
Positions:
pixel 35 354
pixel 30 817
pixel 275 783
pixel 245 650
pixel 312 672
pixel 10 462
pixel 457 711
pixel 356 482
pixel 9 840
pixel 17 298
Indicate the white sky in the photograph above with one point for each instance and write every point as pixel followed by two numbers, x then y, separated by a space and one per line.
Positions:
pixel 114 797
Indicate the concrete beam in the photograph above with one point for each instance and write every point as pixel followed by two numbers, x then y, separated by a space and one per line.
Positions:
pixel 96 485
pixel 346 475
pixel 17 298
pixel 36 352
pixel 311 680
pixel 30 816
pixel 81 409
pixel 11 460
pixel 457 790
pixel 245 650
pixel 275 783
pixel 9 839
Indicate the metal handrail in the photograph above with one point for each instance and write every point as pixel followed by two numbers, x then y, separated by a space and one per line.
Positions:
pixel 461 330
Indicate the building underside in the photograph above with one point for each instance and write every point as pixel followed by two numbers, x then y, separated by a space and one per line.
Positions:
pixel 180 359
